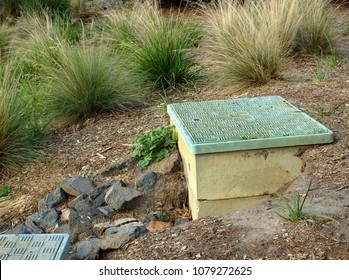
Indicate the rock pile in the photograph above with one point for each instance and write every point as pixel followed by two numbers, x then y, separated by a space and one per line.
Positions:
pixel 85 212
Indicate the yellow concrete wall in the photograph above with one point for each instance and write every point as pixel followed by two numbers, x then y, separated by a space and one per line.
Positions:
pixel 223 182
pixel 209 208
pixel 245 173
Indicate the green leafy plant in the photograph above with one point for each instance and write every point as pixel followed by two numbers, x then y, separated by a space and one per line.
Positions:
pixel 155 144
pixel 5 190
pixel 293 208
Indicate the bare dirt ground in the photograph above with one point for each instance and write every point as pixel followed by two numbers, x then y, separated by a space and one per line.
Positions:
pixel 257 233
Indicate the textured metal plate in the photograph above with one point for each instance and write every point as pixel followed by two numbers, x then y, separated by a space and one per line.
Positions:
pixel 245 124
pixel 34 246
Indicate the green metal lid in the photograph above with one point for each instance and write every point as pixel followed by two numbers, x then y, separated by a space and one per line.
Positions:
pixel 245 124
pixel 34 246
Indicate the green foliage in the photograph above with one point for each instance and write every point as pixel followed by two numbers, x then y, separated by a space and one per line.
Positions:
pixel 320 76
pixel 37 43
pixel 18 142
pixel 155 144
pixel 58 6
pixel 316 33
pixel 293 209
pixel 332 60
pixel 13 8
pixel 322 112
pixel 85 81
pixel 4 40
pixel 5 190
pixel 39 40
pixel 249 45
pixel 158 47
pixel 8 9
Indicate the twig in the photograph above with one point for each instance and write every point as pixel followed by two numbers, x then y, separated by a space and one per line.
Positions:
pixel 101 156
pixel 107 149
pixel 342 188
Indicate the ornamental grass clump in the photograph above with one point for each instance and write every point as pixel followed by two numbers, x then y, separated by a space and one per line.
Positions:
pixel 158 46
pixel 86 81
pixel 37 43
pixel 5 40
pixel 316 33
pixel 19 143
pixel 57 6
pixel 249 45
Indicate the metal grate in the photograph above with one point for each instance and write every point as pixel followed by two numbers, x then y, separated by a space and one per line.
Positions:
pixel 34 246
pixel 244 124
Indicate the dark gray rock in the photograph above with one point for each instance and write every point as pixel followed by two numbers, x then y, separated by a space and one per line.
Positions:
pixel 34 229
pixel 71 256
pixel 87 249
pixel 100 199
pixel 81 223
pixel 117 197
pixel 81 203
pixel 157 216
pixel 53 199
pixel 20 229
pixel 100 189
pixel 77 185
pixel 5 226
pixel 99 228
pixel 107 211
pixel 119 167
pixel 111 230
pixel 42 221
pixel 147 181
pixel 180 221
pixel 125 234
pixel 63 228
pixel 168 165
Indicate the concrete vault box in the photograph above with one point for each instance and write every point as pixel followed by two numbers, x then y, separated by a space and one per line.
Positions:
pixel 237 152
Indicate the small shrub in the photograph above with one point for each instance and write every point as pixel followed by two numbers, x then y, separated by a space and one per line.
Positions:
pixel 85 81
pixel 155 144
